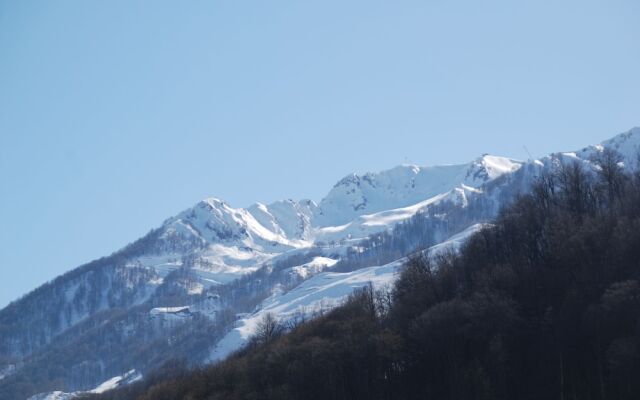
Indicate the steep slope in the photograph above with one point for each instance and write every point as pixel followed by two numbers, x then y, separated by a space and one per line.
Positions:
pixel 178 290
pixel 321 293
pixel 543 304
pixel 404 186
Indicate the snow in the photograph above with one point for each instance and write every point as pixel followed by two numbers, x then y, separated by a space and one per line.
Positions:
pixel 288 218
pixel 317 265
pixel 229 242
pixel 498 166
pixel 117 381
pixel 232 242
pixel 315 295
pixel 366 225
pixel 323 292
pixel 216 265
pixel 330 230
pixel 455 242
pixel 213 221
pixel 7 370
pixel 195 288
pixel 626 143
pixel 169 310
pixel 208 307
pixel 57 395
pixel 388 218
pixel 404 186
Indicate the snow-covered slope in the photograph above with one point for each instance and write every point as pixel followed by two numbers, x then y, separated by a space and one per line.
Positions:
pixel 323 292
pixel 627 144
pixel 230 242
pixel 225 242
pixel 314 296
pixel 402 186
pixel 179 286
pixel 290 219
pixel 358 206
pixel 116 381
pixel 455 242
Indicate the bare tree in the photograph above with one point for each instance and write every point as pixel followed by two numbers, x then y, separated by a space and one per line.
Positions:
pixel 268 329
pixel 298 318
pixel 609 164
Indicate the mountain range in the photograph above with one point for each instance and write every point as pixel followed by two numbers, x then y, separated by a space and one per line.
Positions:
pixel 196 287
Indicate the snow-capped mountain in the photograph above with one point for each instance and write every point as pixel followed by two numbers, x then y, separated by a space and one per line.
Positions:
pixel 195 287
pixel 230 242
pixel 234 241
pixel 404 186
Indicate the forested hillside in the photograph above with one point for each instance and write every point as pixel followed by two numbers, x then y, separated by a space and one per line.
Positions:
pixel 543 304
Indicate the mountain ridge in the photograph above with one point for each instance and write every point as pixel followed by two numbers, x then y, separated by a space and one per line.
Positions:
pixel 222 260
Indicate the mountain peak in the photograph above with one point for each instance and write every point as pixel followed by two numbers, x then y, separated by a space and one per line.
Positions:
pixel 491 167
pixel 404 185
pixel 626 143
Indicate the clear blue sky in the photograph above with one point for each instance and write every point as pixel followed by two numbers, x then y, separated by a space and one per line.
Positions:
pixel 117 114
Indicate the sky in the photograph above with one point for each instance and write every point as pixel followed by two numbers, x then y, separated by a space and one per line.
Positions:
pixel 115 115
